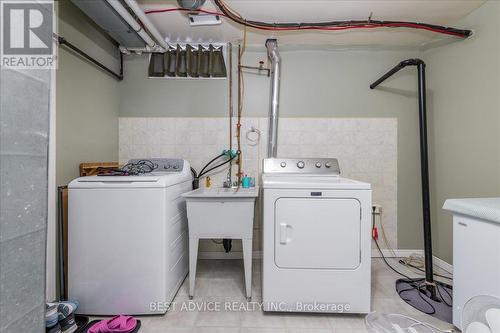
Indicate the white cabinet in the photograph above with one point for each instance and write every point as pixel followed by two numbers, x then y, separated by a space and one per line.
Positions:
pixel 476 253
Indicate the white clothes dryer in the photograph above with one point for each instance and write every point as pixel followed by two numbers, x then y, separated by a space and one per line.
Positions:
pixel 316 238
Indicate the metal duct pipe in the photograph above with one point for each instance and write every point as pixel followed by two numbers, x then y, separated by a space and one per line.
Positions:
pixel 123 12
pixel 274 56
pixel 147 22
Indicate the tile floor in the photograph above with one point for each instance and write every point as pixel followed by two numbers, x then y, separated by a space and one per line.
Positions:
pixel 221 282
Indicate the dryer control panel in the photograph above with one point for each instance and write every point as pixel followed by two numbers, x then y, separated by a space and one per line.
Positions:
pixel 317 166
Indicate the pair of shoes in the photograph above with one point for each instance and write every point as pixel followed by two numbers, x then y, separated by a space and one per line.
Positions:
pixel 60 317
pixel 54 329
pixel 51 315
pixel 68 324
pixel 65 308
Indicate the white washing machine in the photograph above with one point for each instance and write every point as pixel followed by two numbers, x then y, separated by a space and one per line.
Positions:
pixel 128 240
pixel 316 238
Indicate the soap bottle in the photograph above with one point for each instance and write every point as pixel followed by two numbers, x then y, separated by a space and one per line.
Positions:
pixel 245 182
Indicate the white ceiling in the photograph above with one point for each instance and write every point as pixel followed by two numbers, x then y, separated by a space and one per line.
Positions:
pixel 174 26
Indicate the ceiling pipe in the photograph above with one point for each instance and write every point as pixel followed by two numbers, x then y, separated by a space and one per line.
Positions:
pixel 123 12
pixel 274 57
pixel 140 50
pixel 147 23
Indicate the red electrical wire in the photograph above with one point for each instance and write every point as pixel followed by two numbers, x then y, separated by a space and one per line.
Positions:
pixel 367 25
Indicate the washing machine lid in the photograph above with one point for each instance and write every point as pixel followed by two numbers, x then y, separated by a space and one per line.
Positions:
pixel 283 181
pixel 168 172
pixel 115 181
pixel 151 180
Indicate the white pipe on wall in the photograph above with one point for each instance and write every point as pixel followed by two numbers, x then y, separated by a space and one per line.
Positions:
pixel 147 23
pixel 117 6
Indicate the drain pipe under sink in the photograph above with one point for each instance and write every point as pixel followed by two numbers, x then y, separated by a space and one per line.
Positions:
pixel 274 57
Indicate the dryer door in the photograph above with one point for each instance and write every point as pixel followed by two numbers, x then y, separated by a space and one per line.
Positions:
pixel 321 233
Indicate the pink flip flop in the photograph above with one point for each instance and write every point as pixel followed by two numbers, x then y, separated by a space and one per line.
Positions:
pixel 118 324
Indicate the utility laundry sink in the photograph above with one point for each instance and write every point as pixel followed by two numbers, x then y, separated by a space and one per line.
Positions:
pixel 221 192
pixel 221 213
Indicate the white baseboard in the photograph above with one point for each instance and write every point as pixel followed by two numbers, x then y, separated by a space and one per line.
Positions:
pixel 443 264
pixel 405 253
pixel 397 253
pixel 258 254
pixel 375 254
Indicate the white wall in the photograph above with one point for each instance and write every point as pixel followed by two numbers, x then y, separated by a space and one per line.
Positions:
pixel 315 84
pixel 464 117
pixel 366 148
pixel 463 103
pixel 87 98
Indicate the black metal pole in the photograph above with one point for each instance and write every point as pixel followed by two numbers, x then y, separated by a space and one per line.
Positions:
pixel 60 240
pixel 394 70
pixel 386 75
pixel 424 170
pixel 64 42
pixel 424 161
pixel 121 66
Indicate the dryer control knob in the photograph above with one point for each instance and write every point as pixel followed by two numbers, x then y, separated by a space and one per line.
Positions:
pixel 301 165
pixel 283 164
pixel 328 164
pixel 318 165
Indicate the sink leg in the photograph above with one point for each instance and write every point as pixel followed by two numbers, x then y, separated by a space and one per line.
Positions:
pixel 193 258
pixel 247 262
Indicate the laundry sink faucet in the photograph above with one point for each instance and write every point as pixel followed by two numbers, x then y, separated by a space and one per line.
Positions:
pixel 228 182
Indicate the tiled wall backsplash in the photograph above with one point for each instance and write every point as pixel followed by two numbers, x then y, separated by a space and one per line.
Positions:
pixel 365 147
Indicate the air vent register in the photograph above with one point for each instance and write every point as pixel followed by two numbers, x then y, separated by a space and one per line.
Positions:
pixel 189 61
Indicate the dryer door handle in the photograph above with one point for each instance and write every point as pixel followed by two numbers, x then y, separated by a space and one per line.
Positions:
pixel 283 231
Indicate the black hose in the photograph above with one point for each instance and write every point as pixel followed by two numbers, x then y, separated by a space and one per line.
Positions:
pixel 215 167
pixel 196 176
pixel 193 171
pixel 213 160
pixel 196 180
pixel 390 266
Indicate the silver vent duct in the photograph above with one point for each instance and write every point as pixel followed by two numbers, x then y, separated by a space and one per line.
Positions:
pixel 105 16
pixel 190 4
pixel 274 57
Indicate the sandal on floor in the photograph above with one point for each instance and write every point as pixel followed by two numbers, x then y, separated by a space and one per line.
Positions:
pixel 118 324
